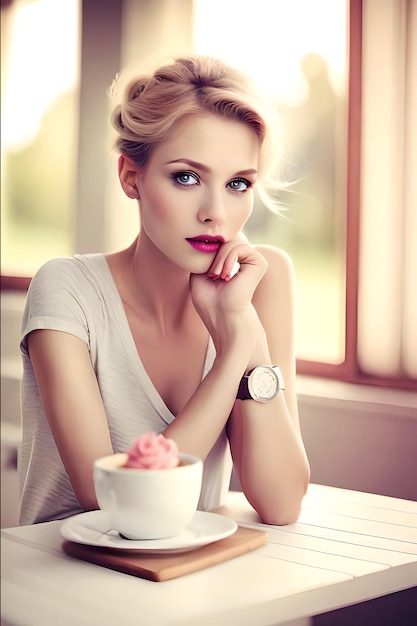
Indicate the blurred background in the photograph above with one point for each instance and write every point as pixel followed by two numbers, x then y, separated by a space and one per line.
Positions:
pixel 286 46
pixel 342 75
pixel 345 158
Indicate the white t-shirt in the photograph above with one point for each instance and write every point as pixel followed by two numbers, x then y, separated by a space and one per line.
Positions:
pixel 78 296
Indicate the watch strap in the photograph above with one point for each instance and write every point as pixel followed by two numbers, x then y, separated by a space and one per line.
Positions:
pixel 243 392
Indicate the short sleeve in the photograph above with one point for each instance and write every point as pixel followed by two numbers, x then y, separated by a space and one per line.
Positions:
pixel 55 302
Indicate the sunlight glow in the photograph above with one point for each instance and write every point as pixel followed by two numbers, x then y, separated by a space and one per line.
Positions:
pixel 39 69
pixel 265 30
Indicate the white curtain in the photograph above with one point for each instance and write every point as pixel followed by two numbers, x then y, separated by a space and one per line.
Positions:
pixel 387 331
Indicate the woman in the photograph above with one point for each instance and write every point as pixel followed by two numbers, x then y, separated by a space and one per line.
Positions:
pixel 164 335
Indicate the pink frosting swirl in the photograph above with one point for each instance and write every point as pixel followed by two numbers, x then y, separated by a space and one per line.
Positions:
pixel 151 451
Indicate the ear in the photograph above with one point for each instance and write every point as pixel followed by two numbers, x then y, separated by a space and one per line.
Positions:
pixel 127 176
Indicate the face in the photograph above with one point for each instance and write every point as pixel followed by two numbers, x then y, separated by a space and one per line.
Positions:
pixel 197 190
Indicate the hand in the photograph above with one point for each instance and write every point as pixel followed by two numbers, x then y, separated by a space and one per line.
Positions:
pixel 218 295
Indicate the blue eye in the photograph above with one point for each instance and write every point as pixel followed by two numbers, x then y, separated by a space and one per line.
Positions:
pixel 239 184
pixel 185 179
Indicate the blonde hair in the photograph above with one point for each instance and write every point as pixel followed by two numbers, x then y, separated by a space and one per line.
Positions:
pixel 153 105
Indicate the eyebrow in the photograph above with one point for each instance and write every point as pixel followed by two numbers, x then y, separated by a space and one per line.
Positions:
pixel 204 168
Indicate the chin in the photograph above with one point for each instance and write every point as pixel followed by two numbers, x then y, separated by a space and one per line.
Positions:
pixel 200 271
pixel 197 265
pixel 195 268
pixel 200 268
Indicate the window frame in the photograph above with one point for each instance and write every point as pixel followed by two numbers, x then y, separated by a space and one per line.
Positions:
pixel 348 370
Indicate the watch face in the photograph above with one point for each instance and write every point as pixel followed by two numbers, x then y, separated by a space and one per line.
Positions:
pixel 263 383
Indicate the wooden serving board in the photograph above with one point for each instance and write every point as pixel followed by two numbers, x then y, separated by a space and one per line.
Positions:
pixel 166 566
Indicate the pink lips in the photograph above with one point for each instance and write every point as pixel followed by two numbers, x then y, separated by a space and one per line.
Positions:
pixel 206 243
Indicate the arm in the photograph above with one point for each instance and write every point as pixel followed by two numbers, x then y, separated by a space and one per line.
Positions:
pixel 73 406
pixel 265 439
pixel 250 319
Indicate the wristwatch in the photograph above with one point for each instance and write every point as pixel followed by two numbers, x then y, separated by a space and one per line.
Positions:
pixel 262 384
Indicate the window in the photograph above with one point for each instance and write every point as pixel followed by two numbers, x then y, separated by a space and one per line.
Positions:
pixel 387 313
pixel 39 122
pixel 300 62
pixel 344 83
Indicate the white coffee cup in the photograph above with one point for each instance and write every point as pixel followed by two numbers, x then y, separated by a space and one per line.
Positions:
pixel 148 503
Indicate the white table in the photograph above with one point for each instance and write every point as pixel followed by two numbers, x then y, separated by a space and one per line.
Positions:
pixel 347 547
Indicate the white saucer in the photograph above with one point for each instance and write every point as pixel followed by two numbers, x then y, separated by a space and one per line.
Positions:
pixel 93 529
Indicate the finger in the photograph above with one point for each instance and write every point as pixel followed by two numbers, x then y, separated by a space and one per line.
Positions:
pixel 232 263
pixel 233 253
pixel 230 266
pixel 224 263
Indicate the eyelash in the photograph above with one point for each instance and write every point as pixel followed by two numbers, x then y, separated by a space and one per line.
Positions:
pixel 176 175
pixel 241 180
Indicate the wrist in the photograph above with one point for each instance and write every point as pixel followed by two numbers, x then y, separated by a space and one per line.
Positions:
pixel 262 384
pixel 238 333
pixel 260 353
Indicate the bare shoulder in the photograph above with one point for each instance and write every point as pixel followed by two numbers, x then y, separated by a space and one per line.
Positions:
pixel 280 265
pixel 275 293
pixel 274 300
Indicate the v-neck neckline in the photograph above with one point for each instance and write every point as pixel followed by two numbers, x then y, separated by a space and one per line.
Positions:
pixel 115 302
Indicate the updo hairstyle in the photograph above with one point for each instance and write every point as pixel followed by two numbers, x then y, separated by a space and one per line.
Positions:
pixel 153 105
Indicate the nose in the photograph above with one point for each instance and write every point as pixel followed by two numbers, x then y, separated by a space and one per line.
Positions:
pixel 212 208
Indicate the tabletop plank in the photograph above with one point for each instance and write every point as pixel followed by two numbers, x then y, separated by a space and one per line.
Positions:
pixel 118 598
pixel 322 560
pixel 362 510
pixel 324 496
pixel 341 547
pixel 408 549
pixel 347 547
pixel 346 523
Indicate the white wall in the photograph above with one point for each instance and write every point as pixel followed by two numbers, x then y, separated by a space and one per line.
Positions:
pixel 11 370
pixel 359 437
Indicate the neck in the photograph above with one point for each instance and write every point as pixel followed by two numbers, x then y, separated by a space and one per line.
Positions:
pixel 151 286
